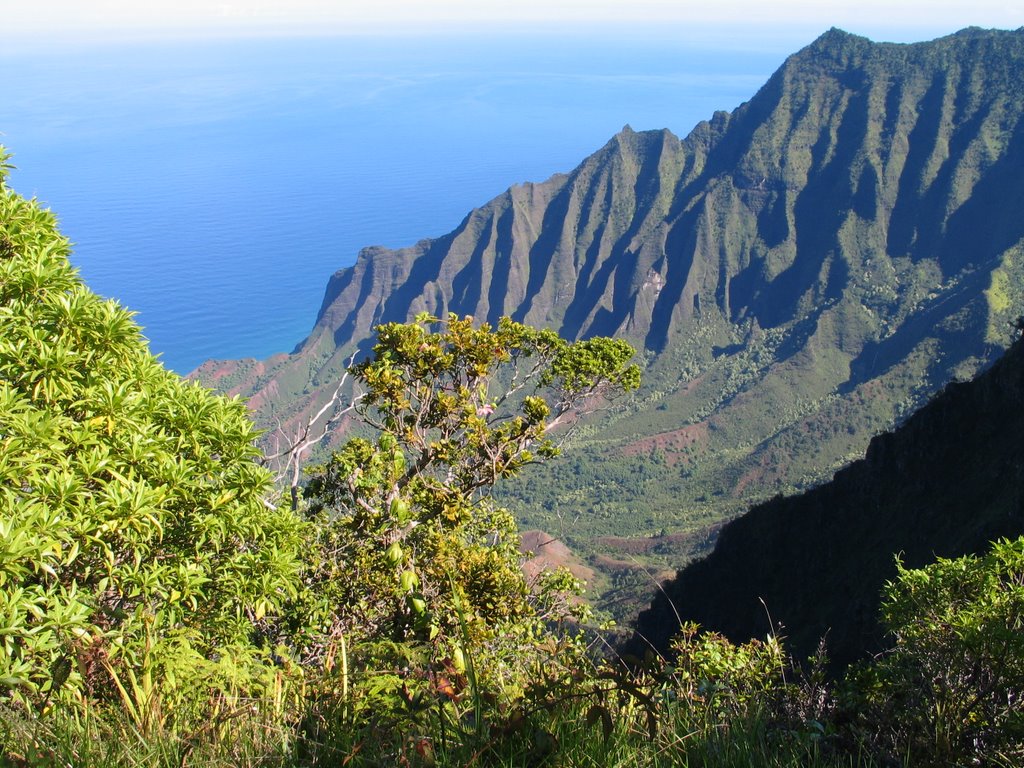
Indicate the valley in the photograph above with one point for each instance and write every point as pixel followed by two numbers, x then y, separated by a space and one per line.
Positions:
pixel 799 275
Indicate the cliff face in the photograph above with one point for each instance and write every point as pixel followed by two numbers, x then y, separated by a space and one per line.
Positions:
pixel 800 273
pixel 945 484
pixel 576 253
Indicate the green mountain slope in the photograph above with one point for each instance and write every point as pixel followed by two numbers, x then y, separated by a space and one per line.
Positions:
pixel 946 483
pixel 800 273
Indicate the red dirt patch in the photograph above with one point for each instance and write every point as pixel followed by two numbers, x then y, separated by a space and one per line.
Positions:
pixel 671 444
pixel 612 564
pixel 753 475
pixel 550 553
pixel 692 384
pixel 641 544
pixel 269 391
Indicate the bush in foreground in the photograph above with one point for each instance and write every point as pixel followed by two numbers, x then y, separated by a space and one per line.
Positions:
pixel 950 691
pixel 134 532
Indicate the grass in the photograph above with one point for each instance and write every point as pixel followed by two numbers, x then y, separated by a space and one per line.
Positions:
pixel 563 738
pixel 574 716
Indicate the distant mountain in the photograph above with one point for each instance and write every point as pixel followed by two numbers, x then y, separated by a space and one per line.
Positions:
pixel 798 274
pixel 945 484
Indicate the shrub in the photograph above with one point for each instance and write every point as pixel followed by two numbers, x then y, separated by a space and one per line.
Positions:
pixel 130 507
pixel 950 690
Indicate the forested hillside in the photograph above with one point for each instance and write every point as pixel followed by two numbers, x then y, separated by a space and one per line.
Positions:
pixel 947 483
pixel 800 274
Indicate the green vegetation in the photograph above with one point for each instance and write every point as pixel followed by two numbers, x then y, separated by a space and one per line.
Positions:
pixel 799 275
pixel 132 518
pixel 950 689
pixel 413 548
pixel 161 609
pixel 939 485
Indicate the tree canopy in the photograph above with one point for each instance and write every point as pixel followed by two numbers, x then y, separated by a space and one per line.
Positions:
pixel 406 515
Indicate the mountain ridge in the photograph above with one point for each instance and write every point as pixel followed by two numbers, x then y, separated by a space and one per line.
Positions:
pixel 799 274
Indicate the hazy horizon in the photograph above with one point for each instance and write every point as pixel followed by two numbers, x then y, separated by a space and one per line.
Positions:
pixel 750 23
pixel 214 186
pixel 213 176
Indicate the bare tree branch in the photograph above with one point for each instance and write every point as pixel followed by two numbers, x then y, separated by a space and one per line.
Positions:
pixel 306 437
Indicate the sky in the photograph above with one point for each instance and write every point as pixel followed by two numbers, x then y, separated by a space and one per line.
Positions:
pixel 899 20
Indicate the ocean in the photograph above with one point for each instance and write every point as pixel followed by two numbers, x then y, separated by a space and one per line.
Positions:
pixel 213 186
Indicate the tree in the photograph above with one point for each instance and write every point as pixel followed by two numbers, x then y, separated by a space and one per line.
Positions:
pixel 132 514
pixel 413 547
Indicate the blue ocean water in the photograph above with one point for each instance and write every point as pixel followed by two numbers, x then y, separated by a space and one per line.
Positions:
pixel 214 186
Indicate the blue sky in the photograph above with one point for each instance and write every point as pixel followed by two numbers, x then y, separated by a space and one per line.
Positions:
pixel 881 19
